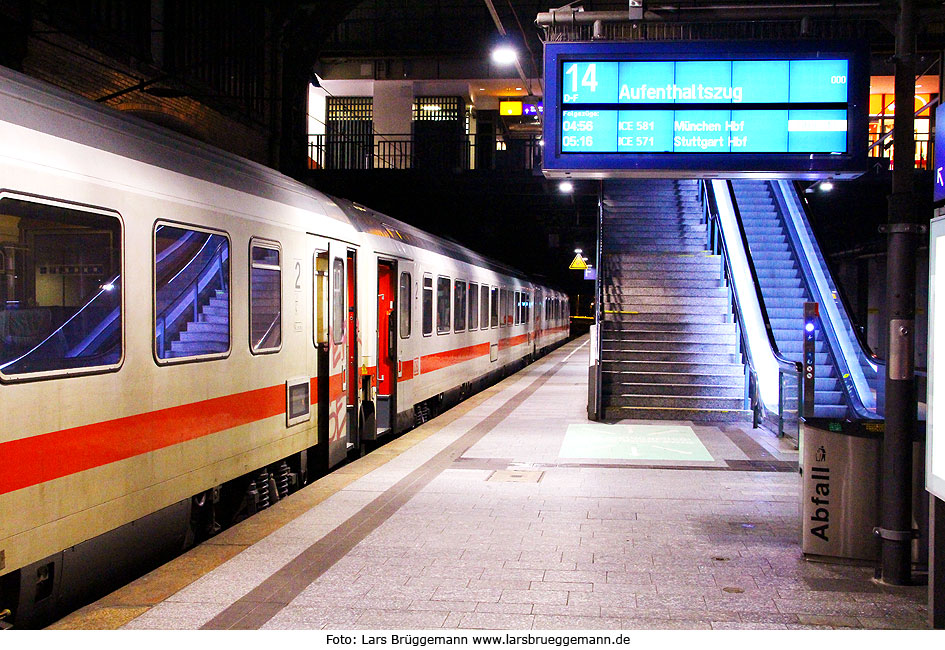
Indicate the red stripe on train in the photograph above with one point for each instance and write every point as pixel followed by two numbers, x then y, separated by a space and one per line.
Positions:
pixel 49 456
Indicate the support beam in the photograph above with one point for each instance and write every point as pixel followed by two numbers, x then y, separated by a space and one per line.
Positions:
pixel 896 503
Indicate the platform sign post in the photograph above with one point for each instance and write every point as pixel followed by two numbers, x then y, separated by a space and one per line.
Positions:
pixel 811 316
pixel 705 109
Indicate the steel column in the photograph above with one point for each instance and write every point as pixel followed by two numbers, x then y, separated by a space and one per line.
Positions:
pixel 896 503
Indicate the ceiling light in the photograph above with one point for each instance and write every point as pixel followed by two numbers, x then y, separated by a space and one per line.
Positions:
pixel 826 186
pixel 504 55
pixel 566 186
pixel 519 88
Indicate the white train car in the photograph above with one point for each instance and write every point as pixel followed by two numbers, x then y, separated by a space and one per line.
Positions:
pixel 186 337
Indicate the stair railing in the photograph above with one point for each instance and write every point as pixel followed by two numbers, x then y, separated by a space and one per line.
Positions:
pixel 769 372
pixel 817 276
pixel 190 296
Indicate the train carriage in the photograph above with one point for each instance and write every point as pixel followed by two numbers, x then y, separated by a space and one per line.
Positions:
pixel 186 337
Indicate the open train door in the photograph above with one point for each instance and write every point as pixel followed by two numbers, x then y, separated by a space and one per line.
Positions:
pixel 331 318
pixel 537 307
pixel 386 345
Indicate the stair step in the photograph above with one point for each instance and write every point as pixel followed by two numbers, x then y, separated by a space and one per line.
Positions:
pixel 615 413
pixel 670 356
pixel 674 401
pixel 665 367
pixel 643 376
pixel 733 391
pixel 690 347
pixel 720 337
pixel 693 328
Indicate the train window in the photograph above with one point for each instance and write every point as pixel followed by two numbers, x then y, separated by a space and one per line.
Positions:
pixel 484 306
pixel 503 307
pixel 406 305
pixel 442 305
pixel 526 307
pixel 60 299
pixel 191 292
pixel 473 305
pixel 338 300
pixel 494 316
pixel 265 296
pixel 321 298
pixel 459 305
pixel 517 315
pixel 427 305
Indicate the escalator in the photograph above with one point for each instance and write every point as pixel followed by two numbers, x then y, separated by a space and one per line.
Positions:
pixel 787 269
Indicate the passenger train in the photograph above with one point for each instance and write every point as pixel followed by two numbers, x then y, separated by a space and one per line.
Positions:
pixel 186 337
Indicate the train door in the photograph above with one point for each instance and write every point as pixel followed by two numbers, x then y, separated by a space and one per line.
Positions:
pixel 386 345
pixel 537 304
pixel 331 318
pixel 353 351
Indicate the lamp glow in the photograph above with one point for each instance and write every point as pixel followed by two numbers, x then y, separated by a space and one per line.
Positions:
pixel 809 327
pixel 504 55
pixel 566 186
pixel 826 186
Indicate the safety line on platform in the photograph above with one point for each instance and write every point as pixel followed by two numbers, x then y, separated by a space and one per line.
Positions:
pixel 260 605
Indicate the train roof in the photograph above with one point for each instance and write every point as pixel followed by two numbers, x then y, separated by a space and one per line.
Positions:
pixel 378 224
pixel 39 106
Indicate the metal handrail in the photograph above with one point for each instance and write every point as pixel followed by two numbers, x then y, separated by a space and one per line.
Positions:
pixel 851 375
pixel 268 331
pixel 858 331
pixel 190 294
pixel 785 365
pixel 58 332
pixel 783 362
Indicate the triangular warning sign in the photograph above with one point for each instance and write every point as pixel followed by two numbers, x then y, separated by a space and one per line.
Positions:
pixel 578 263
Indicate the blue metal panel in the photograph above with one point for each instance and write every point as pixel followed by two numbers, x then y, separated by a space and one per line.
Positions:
pixel 706 109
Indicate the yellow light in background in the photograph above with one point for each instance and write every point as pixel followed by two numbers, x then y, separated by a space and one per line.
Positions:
pixel 510 108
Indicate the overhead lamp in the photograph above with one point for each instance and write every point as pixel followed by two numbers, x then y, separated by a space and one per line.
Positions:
pixel 826 186
pixel 504 55
pixel 566 186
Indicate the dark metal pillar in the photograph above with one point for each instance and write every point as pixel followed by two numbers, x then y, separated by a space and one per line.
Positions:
pixel 896 511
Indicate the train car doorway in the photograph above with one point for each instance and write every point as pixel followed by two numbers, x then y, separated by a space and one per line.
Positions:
pixel 331 340
pixel 354 344
pixel 386 345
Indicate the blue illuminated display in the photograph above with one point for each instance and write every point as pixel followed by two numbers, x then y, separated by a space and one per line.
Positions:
pixel 707 106
pixel 791 109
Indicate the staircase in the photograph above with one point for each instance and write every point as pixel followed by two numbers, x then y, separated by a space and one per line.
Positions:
pixel 669 348
pixel 785 292
pixel 210 333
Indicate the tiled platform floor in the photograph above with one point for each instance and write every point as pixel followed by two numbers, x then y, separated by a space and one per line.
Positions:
pixel 440 536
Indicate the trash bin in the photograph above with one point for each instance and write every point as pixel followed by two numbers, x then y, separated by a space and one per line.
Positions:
pixel 840 468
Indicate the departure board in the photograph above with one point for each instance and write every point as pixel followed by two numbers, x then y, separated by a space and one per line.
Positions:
pixel 629 106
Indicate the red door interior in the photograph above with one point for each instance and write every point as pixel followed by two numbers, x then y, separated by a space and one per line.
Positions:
pixel 385 306
pixel 353 336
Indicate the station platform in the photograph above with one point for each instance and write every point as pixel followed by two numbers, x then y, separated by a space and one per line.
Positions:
pixel 513 511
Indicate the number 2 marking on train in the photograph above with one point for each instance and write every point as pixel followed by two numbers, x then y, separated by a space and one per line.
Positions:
pixel 298 275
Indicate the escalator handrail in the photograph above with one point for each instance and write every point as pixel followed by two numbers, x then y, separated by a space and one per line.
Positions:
pixel 784 363
pixel 176 305
pixel 860 385
pixel 842 294
pixel 781 363
pixel 59 329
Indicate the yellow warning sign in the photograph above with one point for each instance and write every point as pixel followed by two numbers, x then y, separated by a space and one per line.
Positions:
pixel 578 263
